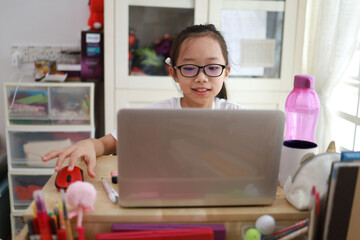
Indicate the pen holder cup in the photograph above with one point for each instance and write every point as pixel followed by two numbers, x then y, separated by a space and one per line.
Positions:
pixel 278 228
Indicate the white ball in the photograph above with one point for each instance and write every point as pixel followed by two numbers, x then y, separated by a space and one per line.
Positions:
pixel 265 224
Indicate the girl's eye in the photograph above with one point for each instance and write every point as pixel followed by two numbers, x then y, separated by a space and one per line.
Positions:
pixel 189 68
pixel 213 68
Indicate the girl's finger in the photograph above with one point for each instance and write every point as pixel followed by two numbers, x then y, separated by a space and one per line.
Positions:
pixel 63 155
pixel 91 163
pixel 51 154
pixel 75 156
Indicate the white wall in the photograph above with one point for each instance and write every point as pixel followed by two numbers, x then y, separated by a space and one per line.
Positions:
pixel 36 22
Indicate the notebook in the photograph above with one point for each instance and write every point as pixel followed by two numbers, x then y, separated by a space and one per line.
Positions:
pixel 198 157
pixel 165 234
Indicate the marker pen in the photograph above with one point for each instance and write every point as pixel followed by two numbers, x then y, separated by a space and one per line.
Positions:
pixel 114 175
pixel 34 221
pixel 32 235
pixel 53 227
pixel 69 235
pixel 35 226
pixel 112 194
pixel 80 232
pixel 42 216
pixel 61 232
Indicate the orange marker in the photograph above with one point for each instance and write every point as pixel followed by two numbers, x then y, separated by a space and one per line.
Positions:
pixel 61 232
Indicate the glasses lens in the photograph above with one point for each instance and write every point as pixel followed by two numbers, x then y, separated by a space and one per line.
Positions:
pixel 189 70
pixel 213 70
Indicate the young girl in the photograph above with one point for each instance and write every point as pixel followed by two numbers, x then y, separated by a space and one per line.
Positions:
pixel 199 64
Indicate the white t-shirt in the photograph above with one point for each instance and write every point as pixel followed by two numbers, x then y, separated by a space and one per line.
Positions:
pixel 174 103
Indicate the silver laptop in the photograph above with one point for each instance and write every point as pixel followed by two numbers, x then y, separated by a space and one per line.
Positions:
pixel 198 157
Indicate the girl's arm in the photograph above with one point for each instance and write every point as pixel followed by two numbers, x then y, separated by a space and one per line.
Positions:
pixel 105 145
pixel 86 150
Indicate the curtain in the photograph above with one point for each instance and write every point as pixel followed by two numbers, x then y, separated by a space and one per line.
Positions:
pixel 332 30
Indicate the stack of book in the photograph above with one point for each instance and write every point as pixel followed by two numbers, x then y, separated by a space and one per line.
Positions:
pixel 342 209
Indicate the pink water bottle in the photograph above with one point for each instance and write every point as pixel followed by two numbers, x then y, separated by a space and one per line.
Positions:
pixel 302 110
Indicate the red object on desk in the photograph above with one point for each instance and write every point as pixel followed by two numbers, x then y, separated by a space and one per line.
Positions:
pixel 43 218
pixel 35 225
pixel 168 234
pixel 61 234
pixel 64 177
pixel 80 232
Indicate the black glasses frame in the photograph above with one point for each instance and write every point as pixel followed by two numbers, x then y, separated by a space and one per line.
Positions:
pixel 201 67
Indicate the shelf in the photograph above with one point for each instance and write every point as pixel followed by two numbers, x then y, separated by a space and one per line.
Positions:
pixel 40 117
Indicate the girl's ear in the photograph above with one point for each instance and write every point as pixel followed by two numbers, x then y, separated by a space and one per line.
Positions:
pixel 227 71
pixel 173 74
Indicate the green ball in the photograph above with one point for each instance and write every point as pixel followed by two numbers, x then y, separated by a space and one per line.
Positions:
pixel 236 193
pixel 252 234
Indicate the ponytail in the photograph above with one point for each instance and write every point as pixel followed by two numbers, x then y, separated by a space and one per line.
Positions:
pixel 223 92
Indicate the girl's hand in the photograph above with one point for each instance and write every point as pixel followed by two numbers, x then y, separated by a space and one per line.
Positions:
pixel 83 150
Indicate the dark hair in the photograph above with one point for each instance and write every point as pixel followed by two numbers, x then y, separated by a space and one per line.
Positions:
pixel 200 31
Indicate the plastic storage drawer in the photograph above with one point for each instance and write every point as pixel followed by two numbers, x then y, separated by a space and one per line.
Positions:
pixel 27 147
pixel 17 224
pixel 28 105
pixel 70 105
pixel 22 188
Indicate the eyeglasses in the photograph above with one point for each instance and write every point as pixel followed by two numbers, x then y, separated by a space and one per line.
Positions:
pixel 191 70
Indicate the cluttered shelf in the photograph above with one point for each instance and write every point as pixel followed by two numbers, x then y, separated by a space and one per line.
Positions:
pixel 46 103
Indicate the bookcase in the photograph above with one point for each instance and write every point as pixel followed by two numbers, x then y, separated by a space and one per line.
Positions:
pixel 41 117
pixel 264 46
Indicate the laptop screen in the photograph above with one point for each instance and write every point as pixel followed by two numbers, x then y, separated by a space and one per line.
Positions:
pixel 195 157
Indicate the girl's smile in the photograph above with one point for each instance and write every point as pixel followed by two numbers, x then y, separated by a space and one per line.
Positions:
pixel 201 91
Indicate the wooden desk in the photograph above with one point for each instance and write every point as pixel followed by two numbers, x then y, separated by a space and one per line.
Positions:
pixel 107 213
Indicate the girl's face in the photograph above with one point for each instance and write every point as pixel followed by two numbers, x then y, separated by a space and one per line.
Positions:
pixel 200 91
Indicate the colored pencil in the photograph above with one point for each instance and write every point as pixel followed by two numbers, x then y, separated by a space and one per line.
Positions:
pixel 295 234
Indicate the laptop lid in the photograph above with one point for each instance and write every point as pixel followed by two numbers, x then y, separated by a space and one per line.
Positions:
pixel 198 157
